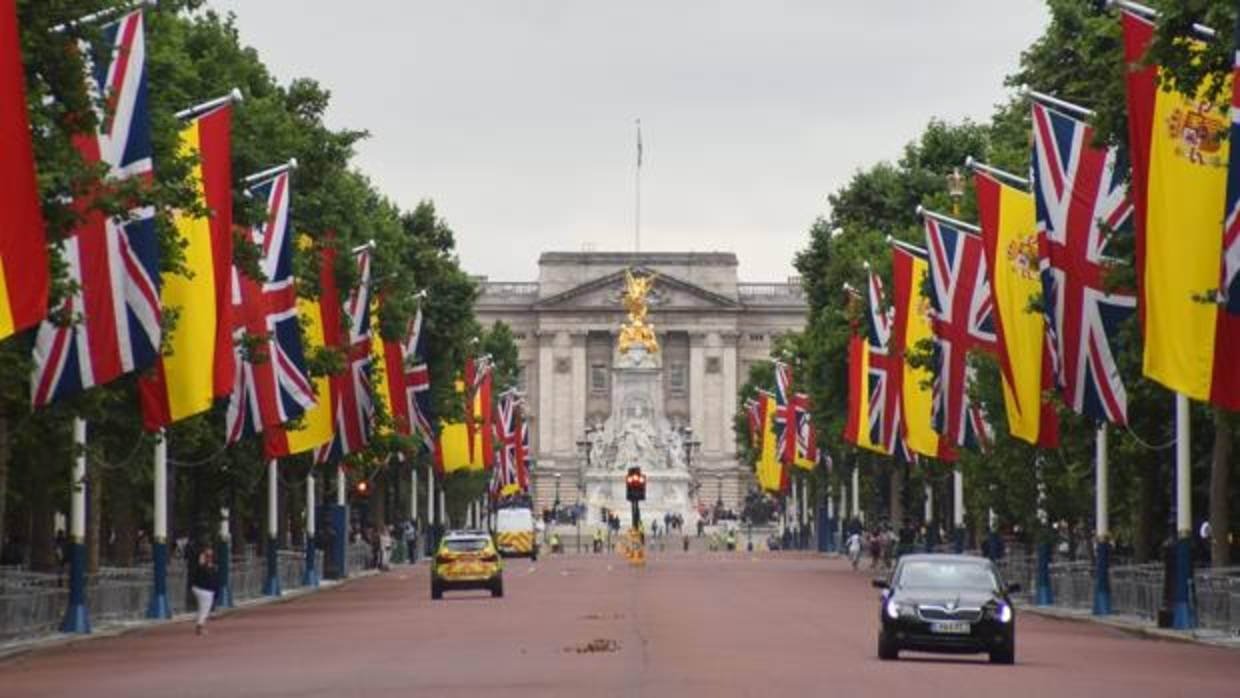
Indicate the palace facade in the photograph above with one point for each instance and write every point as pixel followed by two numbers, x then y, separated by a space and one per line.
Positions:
pixel 710 325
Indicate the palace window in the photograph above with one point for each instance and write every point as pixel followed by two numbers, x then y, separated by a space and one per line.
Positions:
pixel 598 378
pixel 677 378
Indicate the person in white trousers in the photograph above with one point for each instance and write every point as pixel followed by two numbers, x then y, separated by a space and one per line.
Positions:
pixel 204 585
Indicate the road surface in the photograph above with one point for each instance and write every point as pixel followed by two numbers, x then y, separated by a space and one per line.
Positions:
pixel 706 624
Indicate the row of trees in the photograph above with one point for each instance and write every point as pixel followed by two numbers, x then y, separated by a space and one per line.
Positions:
pixel 1079 58
pixel 194 54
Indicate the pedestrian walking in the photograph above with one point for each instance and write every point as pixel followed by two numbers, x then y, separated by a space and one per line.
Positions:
pixel 205 583
pixel 854 549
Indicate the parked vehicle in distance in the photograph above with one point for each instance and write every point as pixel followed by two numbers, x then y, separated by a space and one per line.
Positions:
pixel 466 560
pixel 947 603
pixel 515 534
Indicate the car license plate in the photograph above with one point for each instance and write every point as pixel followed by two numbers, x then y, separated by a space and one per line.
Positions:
pixel 951 628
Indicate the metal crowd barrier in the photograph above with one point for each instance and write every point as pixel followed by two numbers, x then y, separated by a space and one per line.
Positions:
pixel 33 603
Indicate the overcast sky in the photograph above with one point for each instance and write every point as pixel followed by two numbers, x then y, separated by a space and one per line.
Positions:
pixel 517 116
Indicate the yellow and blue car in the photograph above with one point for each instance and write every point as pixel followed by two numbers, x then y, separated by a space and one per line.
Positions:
pixel 467 560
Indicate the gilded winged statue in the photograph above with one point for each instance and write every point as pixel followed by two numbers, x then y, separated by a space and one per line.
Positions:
pixel 636 330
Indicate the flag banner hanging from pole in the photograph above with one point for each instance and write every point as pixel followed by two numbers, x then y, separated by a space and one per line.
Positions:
pixel 806 439
pixel 882 416
pixel 785 419
pixel 1230 282
pixel 113 262
pixel 1082 201
pixel 272 384
pixel 316 425
pixel 962 310
pixel 911 325
pixel 24 271
pixel 352 392
pixel 1009 230
pixel 201 365
pixel 418 383
pixel 770 469
pixel 1179 191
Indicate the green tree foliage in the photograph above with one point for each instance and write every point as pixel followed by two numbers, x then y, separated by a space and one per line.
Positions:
pixel 194 54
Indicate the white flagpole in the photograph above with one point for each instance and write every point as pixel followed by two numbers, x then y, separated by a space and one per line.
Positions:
pixel 413 494
pixel 272 586
pixel 958 508
pixel 637 217
pixel 311 576
pixel 856 494
pixel 77 620
pixel 1182 615
pixel 158 607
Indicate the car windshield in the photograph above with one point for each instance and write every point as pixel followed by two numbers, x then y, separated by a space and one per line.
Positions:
pixel 466 545
pixel 947 575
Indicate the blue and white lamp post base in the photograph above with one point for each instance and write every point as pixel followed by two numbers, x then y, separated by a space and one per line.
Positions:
pixel 223 563
pixel 1183 615
pixel 158 608
pixel 271 587
pixel 310 577
pixel 1044 596
pixel 77 620
pixel 1102 579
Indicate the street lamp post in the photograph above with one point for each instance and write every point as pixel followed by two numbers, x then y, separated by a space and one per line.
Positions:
pixel 719 491
pixel 583 464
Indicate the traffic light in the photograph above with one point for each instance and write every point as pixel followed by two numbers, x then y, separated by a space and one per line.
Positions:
pixel 635 485
pixel 362 489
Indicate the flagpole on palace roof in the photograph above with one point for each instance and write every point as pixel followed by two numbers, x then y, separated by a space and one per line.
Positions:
pixel 637 211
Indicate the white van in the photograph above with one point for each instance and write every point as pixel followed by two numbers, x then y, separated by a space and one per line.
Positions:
pixel 514 532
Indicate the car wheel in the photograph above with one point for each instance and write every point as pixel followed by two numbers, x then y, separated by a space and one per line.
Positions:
pixel 497 588
pixel 887 650
pixel 436 590
pixel 1005 654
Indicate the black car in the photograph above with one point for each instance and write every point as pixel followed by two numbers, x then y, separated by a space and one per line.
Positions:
pixel 947 603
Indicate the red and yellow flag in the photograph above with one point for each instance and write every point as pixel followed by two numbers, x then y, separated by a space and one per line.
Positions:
pixel 316 422
pixel 460 447
pixel 857 427
pixel 24 276
pixel 200 365
pixel 1179 155
pixel 909 271
pixel 1009 231
pixel 770 469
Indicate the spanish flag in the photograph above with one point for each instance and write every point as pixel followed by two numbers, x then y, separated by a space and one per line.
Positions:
pixel 1009 231
pixel 316 421
pixel 459 447
pixel 909 270
pixel 24 276
pixel 1179 188
pixel 770 469
pixel 390 358
pixel 200 364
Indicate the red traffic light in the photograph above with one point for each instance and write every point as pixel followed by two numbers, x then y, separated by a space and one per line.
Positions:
pixel 635 485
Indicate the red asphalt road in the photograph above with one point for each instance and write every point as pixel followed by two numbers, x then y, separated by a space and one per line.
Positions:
pixel 686 625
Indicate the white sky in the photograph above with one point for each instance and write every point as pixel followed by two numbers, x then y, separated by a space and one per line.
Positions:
pixel 517 116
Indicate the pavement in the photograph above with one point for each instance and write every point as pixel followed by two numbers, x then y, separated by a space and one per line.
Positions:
pixel 697 624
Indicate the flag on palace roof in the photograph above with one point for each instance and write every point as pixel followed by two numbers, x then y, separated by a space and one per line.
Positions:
pixel 1010 235
pixel 272 384
pixel 1180 195
pixel 353 406
pixel 963 320
pixel 1082 201
pixel 112 262
pixel 24 271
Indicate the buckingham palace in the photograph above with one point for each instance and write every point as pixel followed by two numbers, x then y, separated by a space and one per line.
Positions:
pixel 710 328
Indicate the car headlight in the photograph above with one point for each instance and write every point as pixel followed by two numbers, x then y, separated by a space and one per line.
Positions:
pixel 1001 612
pixel 896 611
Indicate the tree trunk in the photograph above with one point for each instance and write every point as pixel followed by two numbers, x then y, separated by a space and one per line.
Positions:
pixel 42 510
pixel 94 517
pixel 1143 539
pixel 1220 510
pixel 4 475
pixel 897 495
pixel 121 516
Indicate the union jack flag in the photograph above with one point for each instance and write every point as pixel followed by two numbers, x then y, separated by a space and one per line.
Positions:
pixel 113 262
pixel 418 383
pixel 963 319
pixel 785 414
pixel 354 397
pixel 511 433
pixel 1230 283
pixel 884 405
pixel 1081 198
pixel 271 385
pixel 807 440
